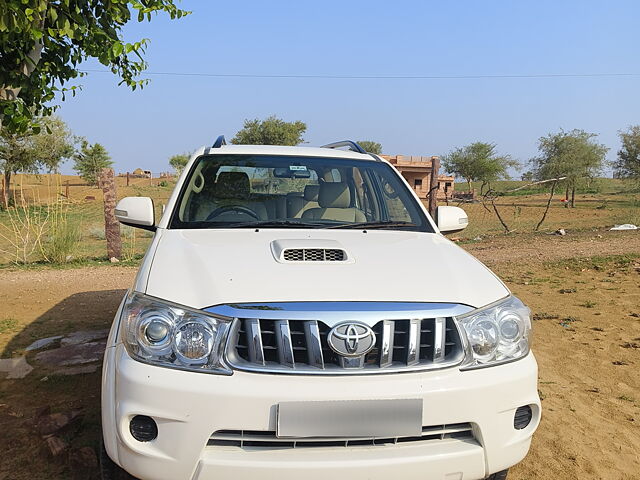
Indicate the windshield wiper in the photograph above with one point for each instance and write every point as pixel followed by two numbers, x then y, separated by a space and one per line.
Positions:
pixel 274 223
pixel 374 225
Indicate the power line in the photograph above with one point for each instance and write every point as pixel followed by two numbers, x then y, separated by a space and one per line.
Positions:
pixel 378 77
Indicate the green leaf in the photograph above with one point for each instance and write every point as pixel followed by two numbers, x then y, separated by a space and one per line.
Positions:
pixel 117 49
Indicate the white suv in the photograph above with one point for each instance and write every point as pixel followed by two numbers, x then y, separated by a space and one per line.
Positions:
pixel 299 315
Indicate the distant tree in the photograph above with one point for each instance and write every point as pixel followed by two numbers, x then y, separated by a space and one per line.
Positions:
pixel 89 160
pixel 44 42
pixel 528 176
pixel 371 147
pixel 179 161
pixel 574 155
pixel 271 131
pixel 627 164
pixel 31 152
pixel 478 162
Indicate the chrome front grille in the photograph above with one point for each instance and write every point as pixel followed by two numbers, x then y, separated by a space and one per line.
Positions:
pixel 301 346
pixel 314 255
pixel 249 439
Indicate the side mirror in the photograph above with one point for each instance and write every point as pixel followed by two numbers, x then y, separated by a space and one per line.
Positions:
pixel 451 219
pixel 136 212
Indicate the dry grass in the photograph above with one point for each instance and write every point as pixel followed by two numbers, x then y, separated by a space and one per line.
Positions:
pixel 522 213
pixel 23 230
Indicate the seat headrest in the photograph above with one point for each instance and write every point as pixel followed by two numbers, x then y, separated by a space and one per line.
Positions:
pixel 311 193
pixel 334 195
pixel 232 185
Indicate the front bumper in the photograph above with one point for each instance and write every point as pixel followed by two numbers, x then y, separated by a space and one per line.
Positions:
pixel 188 407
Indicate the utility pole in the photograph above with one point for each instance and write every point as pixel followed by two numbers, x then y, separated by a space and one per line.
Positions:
pixel 433 186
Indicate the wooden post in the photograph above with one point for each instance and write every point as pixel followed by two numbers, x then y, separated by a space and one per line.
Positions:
pixel 150 179
pixel 3 194
pixel 66 189
pixel 111 225
pixel 433 186
pixel 127 179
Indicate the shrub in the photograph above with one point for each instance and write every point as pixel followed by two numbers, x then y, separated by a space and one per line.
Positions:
pixel 22 230
pixel 97 232
pixel 62 242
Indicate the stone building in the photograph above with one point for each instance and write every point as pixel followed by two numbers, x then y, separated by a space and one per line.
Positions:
pixel 417 171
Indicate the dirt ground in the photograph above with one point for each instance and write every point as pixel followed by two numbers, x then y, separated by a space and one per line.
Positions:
pixel 584 290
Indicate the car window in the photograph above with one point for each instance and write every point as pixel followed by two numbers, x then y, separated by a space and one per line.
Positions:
pixel 246 190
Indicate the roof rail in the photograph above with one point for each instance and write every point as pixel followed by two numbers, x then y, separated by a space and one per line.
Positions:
pixel 353 146
pixel 219 142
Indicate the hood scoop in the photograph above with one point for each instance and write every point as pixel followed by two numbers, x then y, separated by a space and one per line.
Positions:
pixel 309 251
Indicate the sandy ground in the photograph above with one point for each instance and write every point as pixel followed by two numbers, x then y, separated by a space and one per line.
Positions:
pixel 587 341
pixel 545 248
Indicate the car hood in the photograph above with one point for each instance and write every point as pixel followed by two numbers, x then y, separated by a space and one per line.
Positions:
pixel 201 268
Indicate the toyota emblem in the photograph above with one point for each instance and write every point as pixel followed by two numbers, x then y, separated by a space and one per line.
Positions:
pixel 351 339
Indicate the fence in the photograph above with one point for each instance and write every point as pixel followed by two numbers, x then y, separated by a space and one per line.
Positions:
pixel 523 213
pixel 45 188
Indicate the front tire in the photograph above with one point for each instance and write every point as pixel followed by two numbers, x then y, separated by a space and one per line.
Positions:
pixel 109 470
pixel 499 475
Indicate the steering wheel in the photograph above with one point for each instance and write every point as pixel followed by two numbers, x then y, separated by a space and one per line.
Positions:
pixel 237 208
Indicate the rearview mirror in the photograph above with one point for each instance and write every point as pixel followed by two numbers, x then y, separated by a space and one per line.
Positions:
pixel 292 171
pixel 451 219
pixel 136 212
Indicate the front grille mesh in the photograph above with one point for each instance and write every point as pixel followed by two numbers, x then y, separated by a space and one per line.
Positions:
pixel 314 255
pixel 250 439
pixel 300 346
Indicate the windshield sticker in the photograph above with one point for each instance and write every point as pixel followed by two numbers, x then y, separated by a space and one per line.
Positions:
pixel 298 168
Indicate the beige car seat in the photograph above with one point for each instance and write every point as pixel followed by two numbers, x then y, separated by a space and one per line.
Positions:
pixel 334 199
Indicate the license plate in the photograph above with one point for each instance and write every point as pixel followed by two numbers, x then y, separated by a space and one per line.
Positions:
pixel 350 418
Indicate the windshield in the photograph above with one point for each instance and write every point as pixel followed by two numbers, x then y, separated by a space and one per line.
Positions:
pixel 238 191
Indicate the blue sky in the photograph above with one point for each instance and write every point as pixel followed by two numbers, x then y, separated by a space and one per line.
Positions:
pixel 408 116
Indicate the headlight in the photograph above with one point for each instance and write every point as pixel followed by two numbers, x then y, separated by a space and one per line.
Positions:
pixel 174 336
pixel 496 334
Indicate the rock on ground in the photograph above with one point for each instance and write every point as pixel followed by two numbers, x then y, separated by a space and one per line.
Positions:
pixel 76 338
pixel 43 343
pixel 56 445
pixel 73 354
pixel 54 422
pixel 15 367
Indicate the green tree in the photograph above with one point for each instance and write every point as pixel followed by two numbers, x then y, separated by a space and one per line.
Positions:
pixel 478 161
pixel 271 131
pixel 179 161
pixel 30 152
pixel 628 161
pixel 43 43
pixel 574 155
pixel 89 160
pixel 371 147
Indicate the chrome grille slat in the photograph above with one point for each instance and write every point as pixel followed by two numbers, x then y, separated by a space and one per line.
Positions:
pixel 254 341
pixel 386 349
pixel 314 350
pixel 439 338
pixel 413 349
pixel 283 341
pixel 268 439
